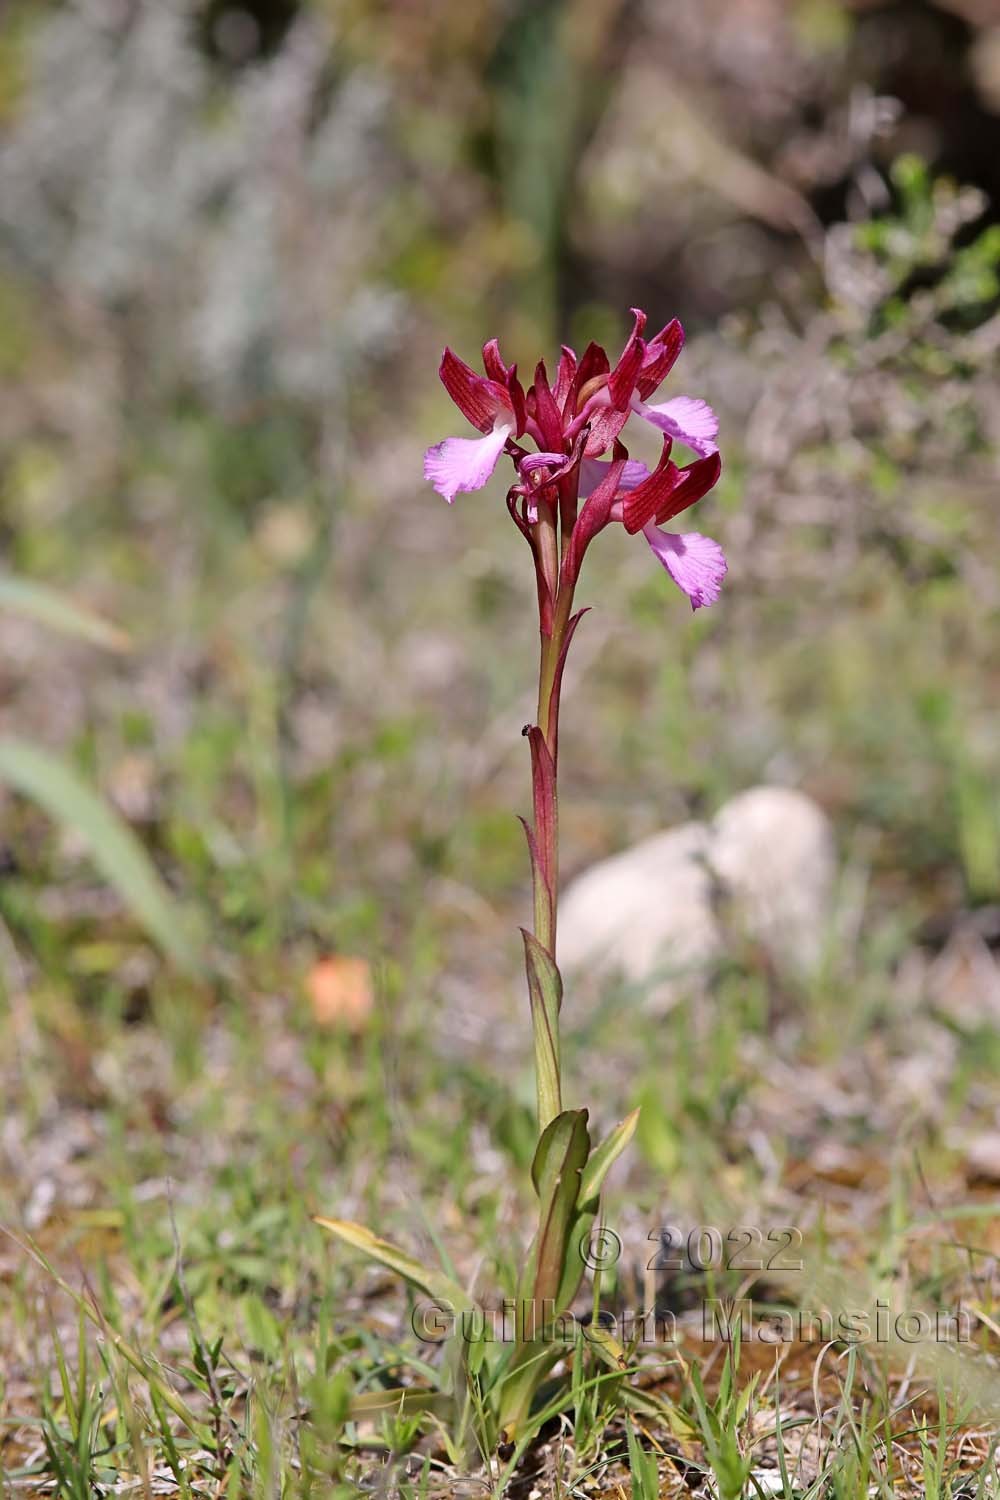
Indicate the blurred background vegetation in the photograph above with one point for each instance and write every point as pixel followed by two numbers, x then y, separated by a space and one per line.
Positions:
pixel 233 239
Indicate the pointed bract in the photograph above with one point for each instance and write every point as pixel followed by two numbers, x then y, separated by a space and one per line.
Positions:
pixel 595 515
pixel 606 422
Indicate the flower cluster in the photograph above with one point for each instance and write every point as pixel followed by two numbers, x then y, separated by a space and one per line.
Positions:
pixel 576 425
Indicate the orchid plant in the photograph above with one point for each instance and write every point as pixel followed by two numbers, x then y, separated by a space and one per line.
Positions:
pixel 574 481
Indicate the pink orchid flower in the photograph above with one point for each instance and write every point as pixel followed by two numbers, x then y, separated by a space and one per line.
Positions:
pixel 572 423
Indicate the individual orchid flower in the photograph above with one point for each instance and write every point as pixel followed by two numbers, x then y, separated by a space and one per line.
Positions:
pixel 496 405
pixel 572 423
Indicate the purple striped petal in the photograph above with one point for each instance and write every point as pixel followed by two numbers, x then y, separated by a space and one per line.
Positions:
pixel 695 563
pixel 465 463
pixel 687 419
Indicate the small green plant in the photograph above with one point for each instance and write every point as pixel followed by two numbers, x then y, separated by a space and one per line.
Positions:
pixel 642 1467
pixel 915 249
pixel 719 1423
pixel 579 481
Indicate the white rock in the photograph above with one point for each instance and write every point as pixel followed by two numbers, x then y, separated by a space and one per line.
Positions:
pixel 772 851
pixel 982 1158
pixel 652 914
pixel 645 910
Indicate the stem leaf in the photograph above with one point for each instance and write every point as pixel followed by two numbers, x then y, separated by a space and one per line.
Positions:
pixel 543 779
pixel 545 993
pixel 567 639
pixel 541 890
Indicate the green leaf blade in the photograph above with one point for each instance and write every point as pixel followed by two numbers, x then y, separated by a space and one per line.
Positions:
pixel 434 1284
pixel 114 848
pixel 35 601
pixel 560 1180
pixel 604 1157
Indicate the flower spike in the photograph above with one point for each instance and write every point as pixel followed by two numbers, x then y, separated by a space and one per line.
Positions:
pixel 574 424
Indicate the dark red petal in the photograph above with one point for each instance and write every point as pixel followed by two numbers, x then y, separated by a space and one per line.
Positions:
pixel 661 356
pixel 605 425
pixel 493 362
pixel 594 363
pixel 693 481
pixel 477 399
pixel 640 505
pixel 621 381
pixel 564 377
pixel 547 413
pixel 515 391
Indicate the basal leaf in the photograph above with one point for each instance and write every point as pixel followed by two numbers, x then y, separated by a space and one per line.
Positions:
pixel 581 1225
pixel 560 1187
pixel 603 1158
pixel 550 1152
pixel 578 1233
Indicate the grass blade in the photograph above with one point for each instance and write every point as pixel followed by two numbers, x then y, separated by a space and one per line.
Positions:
pixel 436 1285
pixel 117 853
pixel 37 602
